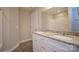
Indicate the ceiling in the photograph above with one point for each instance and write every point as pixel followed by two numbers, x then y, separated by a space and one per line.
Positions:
pixel 29 9
pixel 55 10
pixel 52 10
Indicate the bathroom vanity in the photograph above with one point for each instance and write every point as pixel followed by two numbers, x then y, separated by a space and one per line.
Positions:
pixel 54 42
pixel 51 37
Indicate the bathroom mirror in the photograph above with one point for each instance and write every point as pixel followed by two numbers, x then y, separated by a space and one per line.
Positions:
pixel 61 19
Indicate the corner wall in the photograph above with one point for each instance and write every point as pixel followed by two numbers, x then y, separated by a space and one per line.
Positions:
pixel 25 25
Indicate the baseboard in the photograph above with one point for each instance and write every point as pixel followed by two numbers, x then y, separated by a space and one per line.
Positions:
pixel 12 49
pixel 24 40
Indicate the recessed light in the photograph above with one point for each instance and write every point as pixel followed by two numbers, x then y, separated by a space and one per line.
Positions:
pixel 48 8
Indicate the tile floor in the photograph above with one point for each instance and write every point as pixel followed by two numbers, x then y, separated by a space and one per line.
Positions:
pixel 25 47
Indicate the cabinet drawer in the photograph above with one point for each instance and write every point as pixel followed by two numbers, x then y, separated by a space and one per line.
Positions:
pixel 35 46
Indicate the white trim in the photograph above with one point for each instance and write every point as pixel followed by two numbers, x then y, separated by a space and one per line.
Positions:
pixel 24 40
pixel 10 50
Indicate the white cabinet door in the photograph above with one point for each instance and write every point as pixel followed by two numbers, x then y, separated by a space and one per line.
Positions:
pixel 39 44
pixel 35 43
pixel 44 44
pixel 48 45
pixel 58 46
pixel 76 49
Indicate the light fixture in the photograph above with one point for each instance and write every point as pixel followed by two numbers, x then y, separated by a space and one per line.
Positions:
pixel 48 7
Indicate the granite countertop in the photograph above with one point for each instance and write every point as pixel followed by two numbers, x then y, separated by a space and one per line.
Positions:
pixel 71 39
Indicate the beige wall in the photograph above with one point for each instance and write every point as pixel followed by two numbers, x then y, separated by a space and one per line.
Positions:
pixel 10 28
pixel 1 43
pixel 45 21
pixel 16 25
pixel 25 25
pixel 58 22
pixel 36 19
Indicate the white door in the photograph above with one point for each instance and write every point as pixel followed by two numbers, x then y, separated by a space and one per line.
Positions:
pixel 0 29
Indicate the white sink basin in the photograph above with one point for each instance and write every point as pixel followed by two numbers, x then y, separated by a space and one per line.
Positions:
pixel 47 33
pixel 55 35
pixel 62 37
